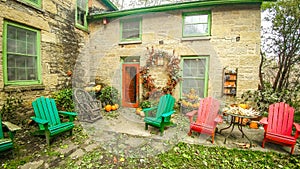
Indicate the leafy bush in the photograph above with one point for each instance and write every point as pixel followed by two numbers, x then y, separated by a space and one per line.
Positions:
pixel 109 95
pixel 261 99
pixel 64 99
pixel 145 104
pixel 10 107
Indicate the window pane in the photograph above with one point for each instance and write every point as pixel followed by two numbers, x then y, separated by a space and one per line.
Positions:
pixel 131 29
pixel 197 85
pixel 21 68
pixel 11 45
pixel 196 19
pixel 194 75
pixel 21 54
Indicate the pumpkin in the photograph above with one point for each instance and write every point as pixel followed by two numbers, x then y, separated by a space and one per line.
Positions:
pixel 113 108
pixel 107 108
pixel 117 106
pixel 244 106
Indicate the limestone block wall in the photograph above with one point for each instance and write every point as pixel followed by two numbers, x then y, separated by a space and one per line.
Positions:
pixel 234 42
pixel 60 42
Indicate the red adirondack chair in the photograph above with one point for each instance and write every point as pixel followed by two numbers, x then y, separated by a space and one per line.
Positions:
pixel 278 126
pixel 207 117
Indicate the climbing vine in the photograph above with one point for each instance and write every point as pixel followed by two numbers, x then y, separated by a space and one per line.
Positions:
pixel 172 68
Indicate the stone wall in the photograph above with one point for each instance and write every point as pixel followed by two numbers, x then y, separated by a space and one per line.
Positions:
pixel 60 43
pixel 235 42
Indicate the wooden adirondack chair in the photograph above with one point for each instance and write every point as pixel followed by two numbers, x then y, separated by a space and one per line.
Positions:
pixel 7 143
pixel 47 117
pixel 278 126
pixel 164 110
pixel 88 108
pixel 207 117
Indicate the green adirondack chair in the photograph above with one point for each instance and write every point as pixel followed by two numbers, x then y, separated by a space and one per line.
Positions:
pixel 47 117
pixel 7 143
pixel 164 110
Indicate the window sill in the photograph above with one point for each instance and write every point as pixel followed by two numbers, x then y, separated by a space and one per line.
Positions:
pixel 78 26
pixel 39 8
pixel 196 38
pixel 23 88
pixel 130 42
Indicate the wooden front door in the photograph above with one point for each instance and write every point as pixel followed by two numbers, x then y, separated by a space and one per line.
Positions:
pixel 130 85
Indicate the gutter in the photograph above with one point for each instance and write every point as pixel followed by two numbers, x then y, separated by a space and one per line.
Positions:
pixel 169 7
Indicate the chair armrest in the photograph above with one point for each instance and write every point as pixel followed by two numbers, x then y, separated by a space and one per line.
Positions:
pixel 297 133
pixel 68 113
pixel 39 121
pixel 264 121
pixel 168 113
pixel 10 126
pixel 219 119
pixel 71 115
pixel 146 110
pixel 191 114
pixel 149 109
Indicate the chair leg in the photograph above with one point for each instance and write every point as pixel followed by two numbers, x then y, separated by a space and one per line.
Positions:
pixel 292 149
pixel 47 134
pixel 190 133
pixel 162 130
pixel 263 143
pixel 213 138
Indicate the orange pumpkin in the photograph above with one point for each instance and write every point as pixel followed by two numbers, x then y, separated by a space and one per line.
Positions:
pixel 113 108
pixel 108 108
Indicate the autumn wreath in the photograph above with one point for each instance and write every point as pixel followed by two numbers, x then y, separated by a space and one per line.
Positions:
pixel 172 69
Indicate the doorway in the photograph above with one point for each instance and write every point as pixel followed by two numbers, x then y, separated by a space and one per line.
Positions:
pixel 130 85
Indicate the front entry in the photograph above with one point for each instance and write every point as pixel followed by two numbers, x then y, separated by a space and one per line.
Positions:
pixel 130 85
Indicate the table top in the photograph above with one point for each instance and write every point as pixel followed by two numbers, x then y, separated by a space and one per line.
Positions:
pixel 242 116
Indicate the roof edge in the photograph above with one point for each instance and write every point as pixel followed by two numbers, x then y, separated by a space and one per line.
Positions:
pixel 110 5
pixel 168 7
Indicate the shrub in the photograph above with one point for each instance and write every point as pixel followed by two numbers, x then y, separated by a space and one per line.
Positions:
pixel 64 99
pixel 109 95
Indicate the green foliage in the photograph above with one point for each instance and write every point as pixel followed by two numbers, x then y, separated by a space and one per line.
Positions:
pixel 64 99
pixel 10 107
pixel 185 155
pixel 145 104
pixel 263 98
pixel 109 95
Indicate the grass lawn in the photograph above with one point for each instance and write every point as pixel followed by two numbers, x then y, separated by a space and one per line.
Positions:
pixel 189 156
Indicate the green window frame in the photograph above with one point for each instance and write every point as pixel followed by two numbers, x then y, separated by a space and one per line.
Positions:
pixel 36 3
pixel 131 29
pixel 194 75
pixel 21 54
pixel 81 14
pixel 196 24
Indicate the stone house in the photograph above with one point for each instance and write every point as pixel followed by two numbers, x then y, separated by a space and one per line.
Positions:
pixel 211 40
pixel 40 42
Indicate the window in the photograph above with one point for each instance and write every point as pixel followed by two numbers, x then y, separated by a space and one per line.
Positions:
pixel 195 75
pixel 21 54
pixel 36 3
pixel 131 29
pixel 81 14
pixel 196 24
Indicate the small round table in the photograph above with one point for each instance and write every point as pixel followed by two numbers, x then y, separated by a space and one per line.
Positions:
pixel 239 123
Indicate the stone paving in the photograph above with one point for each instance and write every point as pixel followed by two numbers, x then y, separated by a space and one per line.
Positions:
pixel 126 135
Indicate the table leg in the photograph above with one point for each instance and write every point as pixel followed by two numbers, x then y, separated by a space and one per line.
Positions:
pixel 243 134
pixel 231 122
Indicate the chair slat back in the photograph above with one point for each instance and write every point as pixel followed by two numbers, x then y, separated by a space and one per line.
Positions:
pixel 280 119
pixel 166 104
pixel 45 108
pixel 207 111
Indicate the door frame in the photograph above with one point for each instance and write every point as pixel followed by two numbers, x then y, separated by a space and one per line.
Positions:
pixel 137 66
